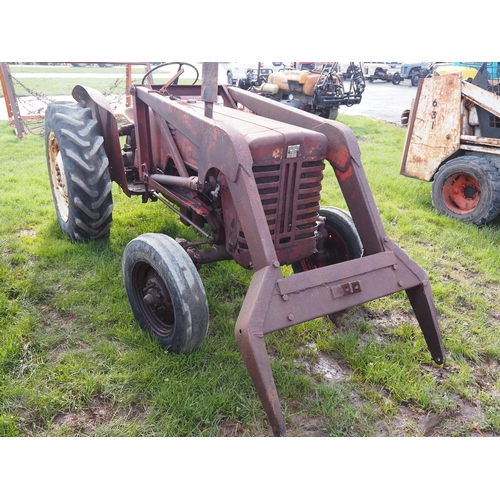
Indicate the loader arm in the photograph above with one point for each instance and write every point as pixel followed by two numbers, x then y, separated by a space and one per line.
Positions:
pixel 274 302
pixel 344 156
pixel 481 97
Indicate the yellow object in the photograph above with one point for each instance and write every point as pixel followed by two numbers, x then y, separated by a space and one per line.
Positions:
pixel 270 88
pixel 467 71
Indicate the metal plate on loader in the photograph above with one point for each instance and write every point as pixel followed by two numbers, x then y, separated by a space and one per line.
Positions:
pixel 434 126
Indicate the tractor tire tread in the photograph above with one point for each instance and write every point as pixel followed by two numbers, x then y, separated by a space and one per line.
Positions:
pixel 490 173
pixel 87 170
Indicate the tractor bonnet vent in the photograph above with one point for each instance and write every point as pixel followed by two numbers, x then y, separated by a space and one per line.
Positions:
pixel 290 195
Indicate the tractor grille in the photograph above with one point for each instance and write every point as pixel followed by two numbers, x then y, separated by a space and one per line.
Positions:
pixel 290 195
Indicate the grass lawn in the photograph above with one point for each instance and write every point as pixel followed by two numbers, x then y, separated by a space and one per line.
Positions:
pixel 73 361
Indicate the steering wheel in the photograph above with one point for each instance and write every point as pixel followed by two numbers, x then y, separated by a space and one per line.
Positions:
pixel 168 64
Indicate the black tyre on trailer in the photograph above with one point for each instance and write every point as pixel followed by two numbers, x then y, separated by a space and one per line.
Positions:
pixel 78 171
pixel 467 188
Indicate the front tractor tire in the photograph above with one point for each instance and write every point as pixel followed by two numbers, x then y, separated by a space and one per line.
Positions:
pixel 342 242
pixel 165 292
pixel 78 171
pixel 468 189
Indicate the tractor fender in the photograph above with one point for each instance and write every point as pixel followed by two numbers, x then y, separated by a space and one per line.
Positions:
pixel 108 128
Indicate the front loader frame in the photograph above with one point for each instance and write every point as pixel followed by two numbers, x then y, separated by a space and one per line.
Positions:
pixel 273 301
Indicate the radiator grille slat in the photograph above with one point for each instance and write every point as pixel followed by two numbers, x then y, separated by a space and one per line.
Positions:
pixel 290 194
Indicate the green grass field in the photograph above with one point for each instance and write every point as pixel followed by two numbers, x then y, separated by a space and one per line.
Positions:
pixel 73 361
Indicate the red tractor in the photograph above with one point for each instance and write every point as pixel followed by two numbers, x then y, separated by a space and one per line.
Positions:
pixel 250 184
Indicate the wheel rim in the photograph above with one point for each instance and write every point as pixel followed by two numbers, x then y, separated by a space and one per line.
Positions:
pixel 461 193
pixel 153 299
pixel 58 177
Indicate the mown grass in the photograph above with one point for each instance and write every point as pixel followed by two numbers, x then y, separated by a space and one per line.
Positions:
pixel 74 362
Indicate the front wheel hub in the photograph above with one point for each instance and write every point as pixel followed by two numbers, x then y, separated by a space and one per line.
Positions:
pixel 157 302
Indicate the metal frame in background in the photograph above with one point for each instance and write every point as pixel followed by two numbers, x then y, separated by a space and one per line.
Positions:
pixel 10 97
pixel 11 103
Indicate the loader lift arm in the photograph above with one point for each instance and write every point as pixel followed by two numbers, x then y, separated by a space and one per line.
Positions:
pixel 274 302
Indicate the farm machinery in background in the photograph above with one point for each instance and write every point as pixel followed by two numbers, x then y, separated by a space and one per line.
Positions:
pixel 250 185
pixel 320 91
pixel 453 141
pixel 384 71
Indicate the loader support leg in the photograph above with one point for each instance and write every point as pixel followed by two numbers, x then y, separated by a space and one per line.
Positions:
pixel 254 353
pixel 422 302
pixel 423 305
pixel 249 334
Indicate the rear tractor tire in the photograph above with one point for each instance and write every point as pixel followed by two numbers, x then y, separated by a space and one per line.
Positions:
pixel 468 189
pixel 78 171
pixel 165 292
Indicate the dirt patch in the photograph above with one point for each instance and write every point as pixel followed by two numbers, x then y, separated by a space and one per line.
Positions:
pixel 305 426
pixel 53 316
pixel 99 412
pixel 86 420
pixel 384 322
pixel 322 366
pixel 463 419
pixel 231 428
pixel 27 232
pixel 330 369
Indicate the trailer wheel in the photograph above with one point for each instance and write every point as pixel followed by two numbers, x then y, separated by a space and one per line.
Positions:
pixel 78 171
pixel 165 292
pixel 342 243
pixel 468 189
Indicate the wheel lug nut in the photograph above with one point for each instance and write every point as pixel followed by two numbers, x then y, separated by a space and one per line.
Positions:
pixel 149 300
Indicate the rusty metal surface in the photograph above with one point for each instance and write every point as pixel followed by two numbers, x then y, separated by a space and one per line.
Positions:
pixel 274 302
pixel 11 99
pixel 102 111
pixel 343 154
pixel 484 98
pixel 434 126
pixel 262 164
